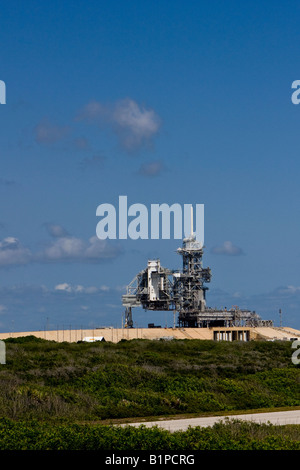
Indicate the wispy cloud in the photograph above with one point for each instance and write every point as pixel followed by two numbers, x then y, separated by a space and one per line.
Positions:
pixel 289 290
pixel 227 248
pixel 134 125
pixel 64 303
pixel 81 143
pixel 3 308
pixel 152 169
pixel 47 133
pixel 76 289
pixel 56 230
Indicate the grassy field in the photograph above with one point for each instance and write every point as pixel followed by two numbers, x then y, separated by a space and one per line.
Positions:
pixel 74 388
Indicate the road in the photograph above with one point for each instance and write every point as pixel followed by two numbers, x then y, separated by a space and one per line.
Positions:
pixel 278 417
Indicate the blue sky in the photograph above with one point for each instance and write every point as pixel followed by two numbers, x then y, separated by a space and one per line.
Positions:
pixel 186 102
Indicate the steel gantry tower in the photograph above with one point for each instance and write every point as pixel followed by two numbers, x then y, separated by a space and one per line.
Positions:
pixel 160 289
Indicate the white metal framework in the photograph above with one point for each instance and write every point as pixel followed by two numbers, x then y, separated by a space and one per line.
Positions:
pixel 161 289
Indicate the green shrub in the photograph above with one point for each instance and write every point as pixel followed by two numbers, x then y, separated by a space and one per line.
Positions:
pixel 92 381
pixel 222 436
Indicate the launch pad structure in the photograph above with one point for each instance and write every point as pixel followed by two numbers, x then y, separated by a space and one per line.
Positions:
pixel 160 289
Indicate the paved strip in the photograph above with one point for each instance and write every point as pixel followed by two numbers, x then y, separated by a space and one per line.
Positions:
pixel 277 417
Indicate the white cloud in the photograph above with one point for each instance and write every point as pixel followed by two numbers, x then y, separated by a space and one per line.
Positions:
pixel 72 249
pixel 134 125
pixel 63 248
pixel 228 248
pixel 79 289
pixel 13 253
pixel 64 287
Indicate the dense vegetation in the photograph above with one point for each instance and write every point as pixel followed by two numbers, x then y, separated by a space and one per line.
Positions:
pixel 222 436
pixel 85 381
pixel 47 387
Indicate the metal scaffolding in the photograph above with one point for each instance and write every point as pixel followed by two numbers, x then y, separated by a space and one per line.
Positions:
pixel 160 289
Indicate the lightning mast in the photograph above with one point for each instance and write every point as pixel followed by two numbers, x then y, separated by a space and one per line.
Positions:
pixel 189 288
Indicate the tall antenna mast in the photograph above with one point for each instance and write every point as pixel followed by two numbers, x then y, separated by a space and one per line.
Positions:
pixel 280 316
pixel 192 223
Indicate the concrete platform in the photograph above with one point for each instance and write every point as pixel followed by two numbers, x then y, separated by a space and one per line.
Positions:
pixel 277 418
pixel 117 334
